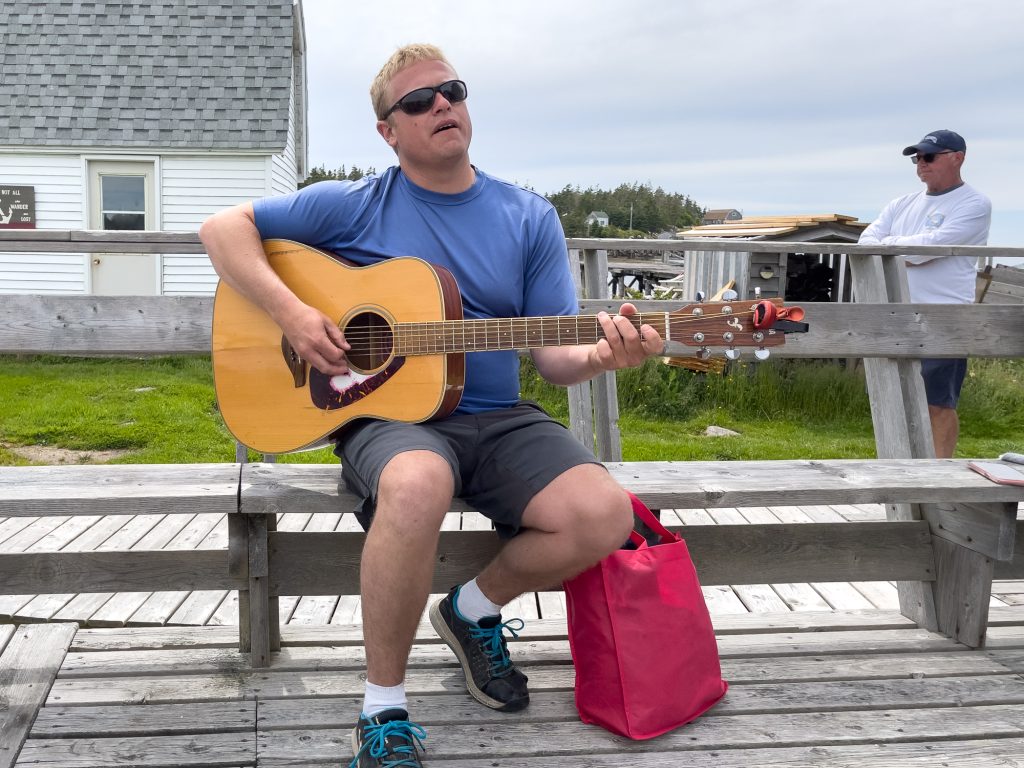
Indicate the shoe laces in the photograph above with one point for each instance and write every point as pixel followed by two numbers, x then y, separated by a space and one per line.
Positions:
pixel 375 740
pixel 493 642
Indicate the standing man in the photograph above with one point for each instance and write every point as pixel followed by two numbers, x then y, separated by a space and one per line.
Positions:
pixel 947 212
pixel 557 507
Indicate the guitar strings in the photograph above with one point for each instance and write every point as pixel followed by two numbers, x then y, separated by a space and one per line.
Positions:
pixel 413 334
pixel 427 327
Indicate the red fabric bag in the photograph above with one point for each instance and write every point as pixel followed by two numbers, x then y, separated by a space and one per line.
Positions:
pixel 641 638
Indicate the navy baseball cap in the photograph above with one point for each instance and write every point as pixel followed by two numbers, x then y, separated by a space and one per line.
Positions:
pixel 938 141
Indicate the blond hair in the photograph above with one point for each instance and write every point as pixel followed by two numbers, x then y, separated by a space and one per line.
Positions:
pixel 405 56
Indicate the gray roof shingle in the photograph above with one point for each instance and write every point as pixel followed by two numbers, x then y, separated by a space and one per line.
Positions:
pixel 92 73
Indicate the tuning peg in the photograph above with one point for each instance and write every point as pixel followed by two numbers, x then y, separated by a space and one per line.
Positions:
pixel 732 353
pixel 761 353
pixel 699 296
pixel 757 291
pixel 703 353
pixel 730 295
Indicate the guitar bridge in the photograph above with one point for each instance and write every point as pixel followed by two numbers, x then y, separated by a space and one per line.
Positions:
pixel 295 363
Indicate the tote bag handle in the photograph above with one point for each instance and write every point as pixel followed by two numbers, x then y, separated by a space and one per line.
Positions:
pixel 647 518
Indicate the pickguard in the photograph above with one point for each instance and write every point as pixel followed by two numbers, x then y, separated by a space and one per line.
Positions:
pixel 330 393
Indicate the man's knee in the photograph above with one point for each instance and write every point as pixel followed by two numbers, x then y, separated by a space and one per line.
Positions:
pixel 415 486
pixel 586 503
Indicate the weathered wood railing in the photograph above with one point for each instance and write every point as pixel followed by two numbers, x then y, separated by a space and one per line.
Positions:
pixel 952 530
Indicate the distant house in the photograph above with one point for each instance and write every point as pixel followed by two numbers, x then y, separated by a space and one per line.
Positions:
pixel 145 116
pixel 806 276
pixel 721 216
pixel 600 218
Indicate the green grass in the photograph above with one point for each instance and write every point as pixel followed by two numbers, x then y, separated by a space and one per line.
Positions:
pixel 163 410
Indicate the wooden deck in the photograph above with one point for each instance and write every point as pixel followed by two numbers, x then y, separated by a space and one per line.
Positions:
pixel 825 689
pixel 209 531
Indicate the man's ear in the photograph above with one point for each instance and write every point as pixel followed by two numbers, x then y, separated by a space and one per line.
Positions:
pixel 387 132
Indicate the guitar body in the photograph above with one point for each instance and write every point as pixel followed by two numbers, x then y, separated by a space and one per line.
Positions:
pixel 274 403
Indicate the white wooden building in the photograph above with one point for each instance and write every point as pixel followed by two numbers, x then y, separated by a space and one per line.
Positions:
pixel 152 116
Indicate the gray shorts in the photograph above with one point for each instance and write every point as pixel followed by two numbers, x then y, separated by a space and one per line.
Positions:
pixel 499 459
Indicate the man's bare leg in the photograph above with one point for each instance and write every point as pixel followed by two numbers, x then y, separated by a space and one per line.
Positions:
pixel 578 519
pixel 397 568
pixel 945 430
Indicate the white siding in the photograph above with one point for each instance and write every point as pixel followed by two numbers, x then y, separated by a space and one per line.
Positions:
pixel 42 273
pixel 283 176
pixel 708 271
pixel 58 184
pixel 187 274
pixel 196 187
pixel 59 205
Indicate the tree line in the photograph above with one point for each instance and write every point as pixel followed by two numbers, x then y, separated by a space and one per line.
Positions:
pixel 634 210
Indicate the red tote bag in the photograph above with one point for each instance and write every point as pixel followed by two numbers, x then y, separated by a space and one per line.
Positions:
pixel 641 638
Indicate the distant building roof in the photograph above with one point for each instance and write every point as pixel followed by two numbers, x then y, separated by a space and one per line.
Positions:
pixel 719 215
pixel 768 227
pixel 170 73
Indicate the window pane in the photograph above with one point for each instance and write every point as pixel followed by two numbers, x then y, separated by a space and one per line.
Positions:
pixel 124 193
pixel 124 221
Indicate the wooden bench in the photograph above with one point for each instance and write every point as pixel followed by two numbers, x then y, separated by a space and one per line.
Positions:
pixel 967 536
pixel 200 696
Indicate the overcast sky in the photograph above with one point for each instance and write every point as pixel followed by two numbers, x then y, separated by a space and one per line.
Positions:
pixel 768 106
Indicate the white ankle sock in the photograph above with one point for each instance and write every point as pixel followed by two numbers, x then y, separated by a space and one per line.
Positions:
pixel 377 698
pixel 473 604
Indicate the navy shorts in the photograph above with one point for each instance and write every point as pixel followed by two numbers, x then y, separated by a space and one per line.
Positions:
pixel 943 379
pixel 500 459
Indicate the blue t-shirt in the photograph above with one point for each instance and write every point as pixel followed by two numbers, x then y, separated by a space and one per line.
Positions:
pixel 503 244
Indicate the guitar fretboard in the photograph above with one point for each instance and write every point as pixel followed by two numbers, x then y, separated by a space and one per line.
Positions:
pixel 445 336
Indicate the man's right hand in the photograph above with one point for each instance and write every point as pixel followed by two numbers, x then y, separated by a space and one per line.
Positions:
pixel 316 339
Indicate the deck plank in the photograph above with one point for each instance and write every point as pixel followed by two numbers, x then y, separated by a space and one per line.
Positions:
pixel 983 753
pixel 202 750
pixel 28 666
pixel 708 733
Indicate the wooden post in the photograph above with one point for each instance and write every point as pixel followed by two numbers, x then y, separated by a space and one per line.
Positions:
pixel 605 396
pixel 898 410
pixel 238 565
pixel 259 592
pixel 581 410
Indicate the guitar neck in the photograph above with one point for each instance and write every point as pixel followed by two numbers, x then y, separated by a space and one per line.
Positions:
pixel 445 336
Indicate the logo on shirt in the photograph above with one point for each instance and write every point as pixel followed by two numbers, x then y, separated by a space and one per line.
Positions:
pixel 934 220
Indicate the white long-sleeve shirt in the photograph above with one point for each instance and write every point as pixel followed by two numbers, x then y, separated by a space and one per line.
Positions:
pixel 960 216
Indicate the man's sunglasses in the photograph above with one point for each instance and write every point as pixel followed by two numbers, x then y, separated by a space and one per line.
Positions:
pixel 928 157
pixel 422 99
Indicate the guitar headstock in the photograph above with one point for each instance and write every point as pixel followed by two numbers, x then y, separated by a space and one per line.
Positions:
pixel 761 324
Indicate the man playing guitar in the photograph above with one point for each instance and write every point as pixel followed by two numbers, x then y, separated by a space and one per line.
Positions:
pixel 558 509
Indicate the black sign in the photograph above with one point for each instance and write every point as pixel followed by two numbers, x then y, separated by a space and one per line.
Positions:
pixel 17 207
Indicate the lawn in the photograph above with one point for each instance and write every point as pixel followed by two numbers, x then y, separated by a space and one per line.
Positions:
pixel 164 410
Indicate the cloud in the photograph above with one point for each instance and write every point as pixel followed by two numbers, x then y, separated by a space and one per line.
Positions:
pixel 767 107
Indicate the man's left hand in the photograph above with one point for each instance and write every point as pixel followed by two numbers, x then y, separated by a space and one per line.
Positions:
pixel 623 346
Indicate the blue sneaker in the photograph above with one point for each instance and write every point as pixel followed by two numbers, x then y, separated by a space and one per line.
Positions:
pixel 491 677
pixel 387 740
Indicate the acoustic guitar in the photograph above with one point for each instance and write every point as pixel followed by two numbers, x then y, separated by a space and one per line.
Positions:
pixel 403 319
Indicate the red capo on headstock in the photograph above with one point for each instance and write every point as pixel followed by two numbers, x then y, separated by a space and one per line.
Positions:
pixel 768 315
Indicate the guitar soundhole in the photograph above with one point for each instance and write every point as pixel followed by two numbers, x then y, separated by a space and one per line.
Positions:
pixel 371 339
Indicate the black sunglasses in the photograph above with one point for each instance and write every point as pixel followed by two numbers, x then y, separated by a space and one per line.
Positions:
pixel 928 157
pixel 422 99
